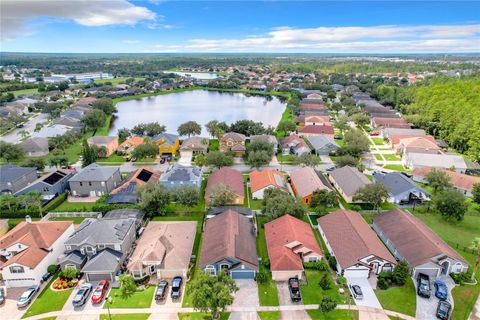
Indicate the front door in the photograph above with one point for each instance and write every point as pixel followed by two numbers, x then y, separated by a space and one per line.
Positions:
pixel 92 193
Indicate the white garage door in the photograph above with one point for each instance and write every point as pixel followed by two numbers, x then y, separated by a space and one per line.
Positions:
pixel 21 283
pixel 360 273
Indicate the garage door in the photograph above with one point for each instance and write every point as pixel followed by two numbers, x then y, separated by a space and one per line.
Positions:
pixel 356 273
pixel 21 283
pixel 430 272
pixel 186 154
pixel 98 277
pixel 242 274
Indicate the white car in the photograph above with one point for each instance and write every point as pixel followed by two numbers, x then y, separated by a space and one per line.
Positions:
pixel 356 291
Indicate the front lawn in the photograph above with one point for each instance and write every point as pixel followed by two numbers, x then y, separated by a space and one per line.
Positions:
pixel 267 292
pixel 269 315
pixel 378 157
pixel 213 145
pixel 396 167
pixel 48 301
pixel 113 158
pixel 378 141
pixel 391 157
pixel 138 299
pixel 312 293
pixel 201 316
pixel 399 299
pixel 75 206
pixel 130 316
pixel 286 158
pixel 336 314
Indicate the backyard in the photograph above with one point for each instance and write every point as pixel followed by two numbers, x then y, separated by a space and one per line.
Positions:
pixel 75 206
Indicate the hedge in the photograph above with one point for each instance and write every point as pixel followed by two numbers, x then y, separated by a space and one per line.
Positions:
pixel 33 212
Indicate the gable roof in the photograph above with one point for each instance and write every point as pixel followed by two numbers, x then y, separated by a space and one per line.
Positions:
pixel 349 179
pixel 95 172
pixel 102 139
pixel 415 242
pixel 104 260
pixel 177 172
pixel 229 234
pixel 132 142
pixel 294 140
pixel 459 180
pixel 306 181
pixel 234 136
pixel 268 177
pixel 400 131
pixel 194 144
pixel 286 235
pixel 12 172
pixel 100 231
pixel 396 138
pixel 318 142
pixel 34 145
pixel 427 142
pixel 320 129
pixel 437 160
pixel 351 238
pixel 228 176
pixel 264 137
pixel 397 183
pixel 165 138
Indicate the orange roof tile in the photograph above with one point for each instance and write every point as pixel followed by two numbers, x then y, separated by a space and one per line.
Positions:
pixel 269 177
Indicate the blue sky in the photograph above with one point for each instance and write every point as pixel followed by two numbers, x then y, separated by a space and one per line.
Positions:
pixel 239 26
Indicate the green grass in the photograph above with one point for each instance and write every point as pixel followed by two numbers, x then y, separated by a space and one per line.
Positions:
pixel 17 93
pixel 312 293
pixel 336 314
pixel 75 206
pixel 113 158
pixel 213 145
pixel 48 301
pixel 267 292
pixel 130 316
pixel 269 315
pixel 201 316
pixel 341 143
pixel 116 80
pixel 103 131
pixel 378 141
pixel 139 299
pixel 396 167
pixel 12 222
pixel 399 299
pixel 378 157
pixel 48 318
pixel 391 157
pixel 286 159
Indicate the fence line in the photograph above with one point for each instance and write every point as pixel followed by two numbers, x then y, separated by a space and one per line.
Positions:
pixel 50 215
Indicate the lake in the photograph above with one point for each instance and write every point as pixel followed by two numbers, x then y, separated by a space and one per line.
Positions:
pixel 201 106
pixel 196 75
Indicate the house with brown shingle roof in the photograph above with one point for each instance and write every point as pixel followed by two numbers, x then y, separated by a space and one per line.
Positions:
pixel 130 144
pixel 27 250
pixel 229 177
pixel 110 143
pixel 348 180
pixel 354 245
pixel 460 181
pixel 232 141
pixel 325 129
pixel 408 238
pixel 229 244
pixel 290 243
pixel 294 144
pixel 380 122
pixel 305 181
pixel 265 179
pixel 163 250
pixel 418 145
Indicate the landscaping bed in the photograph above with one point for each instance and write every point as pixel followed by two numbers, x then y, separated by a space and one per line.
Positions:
pixel 48 300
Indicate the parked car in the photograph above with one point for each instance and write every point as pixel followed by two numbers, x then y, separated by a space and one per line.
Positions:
pixel 100 291
pixel 46 276
pixel 27 296
pixel 443 310
pixel 162 160
pixel 356 291
pixel 374 133
pixel 3 296
pixel 169 158
pixel 161 290
pixel 82 295
pixel 176 286
pixel 423 285
pixel 294 288
pixel 441 290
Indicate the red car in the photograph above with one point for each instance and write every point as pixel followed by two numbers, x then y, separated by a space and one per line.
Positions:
pixel 374 133
pixel 100 292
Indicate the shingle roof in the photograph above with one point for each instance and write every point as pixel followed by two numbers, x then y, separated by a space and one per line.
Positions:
pixel 412 238
pixel 397 183
pixel 106 260
pixel 234 136
pixel 268 177
pixel 349 179
pixel 102 139
pixel 264 137
pixel 195 144
pixel 459 180
pixel 229 234
pixel 322 129
pixel 100 231
pixel 180 173
pixel 306 181
pixel 167 137
pixel 318 142
pixel 284 235
pixel 12 172
pixel 95 172
pixel 437 160
pixel 126 191
pixel 34 145
pixel 351 238
pixel 227 176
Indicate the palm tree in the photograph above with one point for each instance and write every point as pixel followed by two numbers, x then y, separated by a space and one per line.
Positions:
pixel 23 133
pixel 476 246
pixel 9 201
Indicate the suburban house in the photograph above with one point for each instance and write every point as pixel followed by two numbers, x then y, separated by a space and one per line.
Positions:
pixel 460 181
pixel 323 145
pixel 389 123
pixel 177 175
pixel 266 138
pixel 98 247
pixel 316 120
pixel 95 181
pixel 348 180
pixel 130 144
pixel 29 248
pixel 305 181
pixel 126 192
pixel 14 178
pixel 35 147
pixel 354 245
pixel 264 179
pixel 110 143
pixel 167 143
pixel 401 189
pixel 445 161
pixel 229 244
pixel 50 185
pixel 194 145
pixel 418 145
pixel 316 130
pixel 410 239
pixel 164 250
pixel 127 213
pixel 52 131
pixel 389 132
pixel 290 243
pixel 232 141
pixel 229 177
pixel 294 144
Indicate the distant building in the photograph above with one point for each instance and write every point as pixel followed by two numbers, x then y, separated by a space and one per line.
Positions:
pixel 177 176
pixel 95 181
pixel 14 178
pixel 35 147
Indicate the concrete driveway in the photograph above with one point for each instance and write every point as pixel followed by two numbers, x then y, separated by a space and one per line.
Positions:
pixel 369 297
pixel 246 296
pixel 284 300
pixel 10 306
pixel 427 308
pixel 87 306
pixel 29 126
pixel 168 302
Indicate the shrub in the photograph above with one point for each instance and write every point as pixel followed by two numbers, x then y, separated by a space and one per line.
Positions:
pixel 52 268
pixel 325 282
pixel 355 207
pixel 401 273
pixel 319 265
pixel 461 278
pixel 266 262
pixel 327 304
pixel 342 281
pixel 261 278
pixel 332 262
pixel 382 284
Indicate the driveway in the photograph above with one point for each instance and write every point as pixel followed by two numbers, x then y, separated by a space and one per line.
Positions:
pixel 87 306
pixel 369 297
pixel 168 302
pixel 246 296
pixel 29 126
pixel 427 308
pixel 284 300
pixel 10 306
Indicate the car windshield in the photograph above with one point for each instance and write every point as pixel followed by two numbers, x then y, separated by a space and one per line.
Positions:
pixel 25 295
pixel 424 286
pixel 176 282
pixel 97 293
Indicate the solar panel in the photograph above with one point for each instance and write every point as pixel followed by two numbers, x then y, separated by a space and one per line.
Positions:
pixel 54 178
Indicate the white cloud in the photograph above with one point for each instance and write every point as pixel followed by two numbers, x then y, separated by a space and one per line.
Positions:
pixel 17 14
pixel 131 41
pixel 156 26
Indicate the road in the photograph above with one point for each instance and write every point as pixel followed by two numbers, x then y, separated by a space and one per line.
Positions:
pixel 13 137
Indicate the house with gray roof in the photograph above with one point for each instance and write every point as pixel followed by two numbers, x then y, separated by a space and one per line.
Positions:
pixel 50 185
pixel 177 175
pixel 322 145
pixel 401 189
pixel 14 178
pixel 35 147
pixel 348 180
pixel 52 131
pixel 95 181
pixel 98 247
pixel 445 161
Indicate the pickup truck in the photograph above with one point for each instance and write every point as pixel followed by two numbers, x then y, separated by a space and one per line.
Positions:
pixel 423 285
pixel 294 288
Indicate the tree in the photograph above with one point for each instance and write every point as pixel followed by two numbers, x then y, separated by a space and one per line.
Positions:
pixel 150 129
pixel 346 160
pixel 324 198
pixel 123 134
pixel 189 128
pixel 59 161
pixel 94 119
pixel 35 199
pixel 145 150
pixel 286 127
pixel 336 106
pixel 451 204
pixel 325 282
pixel 341 123
pixel 23 134
pixel 200 160
pixel 327 304
pixel 356 143
pixel 10 152
pixel 70 273
pixel 276 203
pixel 308 159
pixel 38 163
pixel 360 119
pixel 438 180
pixel 153 198
pixel 212 293
pixel 185 195
pixel 9 201
pixel 218 159
pixel 257 159
pixel 88 154
pixel 374 193
pixel 104 104
pixel 220 195
pixel 260 146
pixel 211 127
pixel 247 127
pixel 127 285
pixel 476 192
pixel 401 273
pixel 476 247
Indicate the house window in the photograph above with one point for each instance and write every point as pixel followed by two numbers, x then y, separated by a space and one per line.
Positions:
pixel 81 184
pixel 152 269
pixel 312 259
pixel 101 246
pixel 72 266
pixel 224 266
pixel 89 183
pixel 17 269
pixel 210 270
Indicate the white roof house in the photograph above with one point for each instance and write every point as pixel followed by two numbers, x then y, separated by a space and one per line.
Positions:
pixel 446 161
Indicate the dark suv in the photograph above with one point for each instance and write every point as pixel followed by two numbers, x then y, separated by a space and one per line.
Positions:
pixel 176 286
pixel 294 288
pixel 423 285
pixel 161 290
